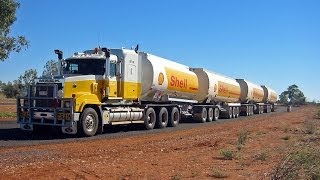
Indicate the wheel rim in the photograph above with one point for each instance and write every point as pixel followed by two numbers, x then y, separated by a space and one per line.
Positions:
pixel 150 119
pixel 175 117
pixel 204 114
pixel 89 122
pixel 164 118
pixel 216 113
pixel 210 115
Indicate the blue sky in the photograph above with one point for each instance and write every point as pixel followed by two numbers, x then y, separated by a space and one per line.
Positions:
pixel 274 42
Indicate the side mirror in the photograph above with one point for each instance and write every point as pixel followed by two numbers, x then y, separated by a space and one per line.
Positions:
pixel 106 52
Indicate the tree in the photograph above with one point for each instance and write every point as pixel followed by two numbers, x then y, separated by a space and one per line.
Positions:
pixel 17 87
pixel 11 90
pixel 28 78
pixel 50 69
pixel 8 43
pixel 283 98
pixel 293 96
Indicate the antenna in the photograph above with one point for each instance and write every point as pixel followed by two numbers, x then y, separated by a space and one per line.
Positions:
pixel 99 39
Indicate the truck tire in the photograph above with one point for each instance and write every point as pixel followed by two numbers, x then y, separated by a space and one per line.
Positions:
pixel 149 118
pixel 237 112
pixel 234 112
pixel 210 115
pixel 216 114
pixel 162 120
pixel 201 116
pixel 174 117
pixel 230 113
pixel 89 122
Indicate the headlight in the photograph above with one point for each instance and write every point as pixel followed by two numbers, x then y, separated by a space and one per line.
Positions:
pixel 60 93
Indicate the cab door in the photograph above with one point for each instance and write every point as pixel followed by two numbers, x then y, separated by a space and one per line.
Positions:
pixel 113 85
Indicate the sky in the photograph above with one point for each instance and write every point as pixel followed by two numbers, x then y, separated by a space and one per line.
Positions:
pixel 270 42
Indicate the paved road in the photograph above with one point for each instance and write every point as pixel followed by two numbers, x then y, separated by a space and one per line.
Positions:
pixel 11 135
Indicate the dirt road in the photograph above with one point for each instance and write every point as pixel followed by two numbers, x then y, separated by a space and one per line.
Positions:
pixel 190 153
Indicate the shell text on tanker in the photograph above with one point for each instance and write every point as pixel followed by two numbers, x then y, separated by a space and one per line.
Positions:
pixel 180 83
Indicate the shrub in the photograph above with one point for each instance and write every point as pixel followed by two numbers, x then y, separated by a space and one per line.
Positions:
pixel 309 127
pixel 217 173
pixel 261 156
pixel 227 154
pixel 242 138
pixel 176 177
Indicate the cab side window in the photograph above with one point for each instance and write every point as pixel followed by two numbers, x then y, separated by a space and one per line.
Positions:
pixel 113 69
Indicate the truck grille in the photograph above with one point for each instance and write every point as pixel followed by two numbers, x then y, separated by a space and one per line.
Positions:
pixel 44 92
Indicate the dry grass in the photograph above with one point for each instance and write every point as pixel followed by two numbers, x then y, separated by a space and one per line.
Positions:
pixel 226 154
pixel 8 114
pixel 217 173
pixel 300 164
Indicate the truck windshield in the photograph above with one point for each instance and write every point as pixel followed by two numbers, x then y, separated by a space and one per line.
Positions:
pixel 84 66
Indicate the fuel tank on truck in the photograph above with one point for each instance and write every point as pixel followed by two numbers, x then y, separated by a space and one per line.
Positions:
pixel 250 92
pixel 215 87
pixel 165 80
pixel 270 96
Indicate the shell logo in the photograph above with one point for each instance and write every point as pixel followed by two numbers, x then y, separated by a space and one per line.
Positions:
pixel 160 78
pixel 215 88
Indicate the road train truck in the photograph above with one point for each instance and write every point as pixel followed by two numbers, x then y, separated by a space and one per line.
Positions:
pixel 123 86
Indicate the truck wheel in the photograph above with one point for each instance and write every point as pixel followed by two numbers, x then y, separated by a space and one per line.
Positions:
pixel 251 110
pixel 230 113
pixel 201 116
pixel 149 118
pixel 237 112
pixel 174 117
pixel 162 120
pixel 210 115
pixel 234 112
pixel 216 114
pixel 88 122
pixel 248 111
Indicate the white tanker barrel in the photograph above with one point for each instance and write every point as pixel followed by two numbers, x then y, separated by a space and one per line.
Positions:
pixel 165 80
pixel 215 87
pixel 250 92
pixel 270 96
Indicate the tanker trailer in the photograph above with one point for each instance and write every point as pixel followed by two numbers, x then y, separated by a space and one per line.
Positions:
pixel 222 91
pixel 270 98
pixel 251 98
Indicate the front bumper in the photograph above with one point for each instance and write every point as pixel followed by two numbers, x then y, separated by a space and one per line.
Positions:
pixel 28 114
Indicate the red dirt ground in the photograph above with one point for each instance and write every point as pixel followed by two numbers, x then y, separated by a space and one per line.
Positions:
pixel 186 154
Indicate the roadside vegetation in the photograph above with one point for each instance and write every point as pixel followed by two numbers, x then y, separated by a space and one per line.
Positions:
pixel 303 158
pixel 7 115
